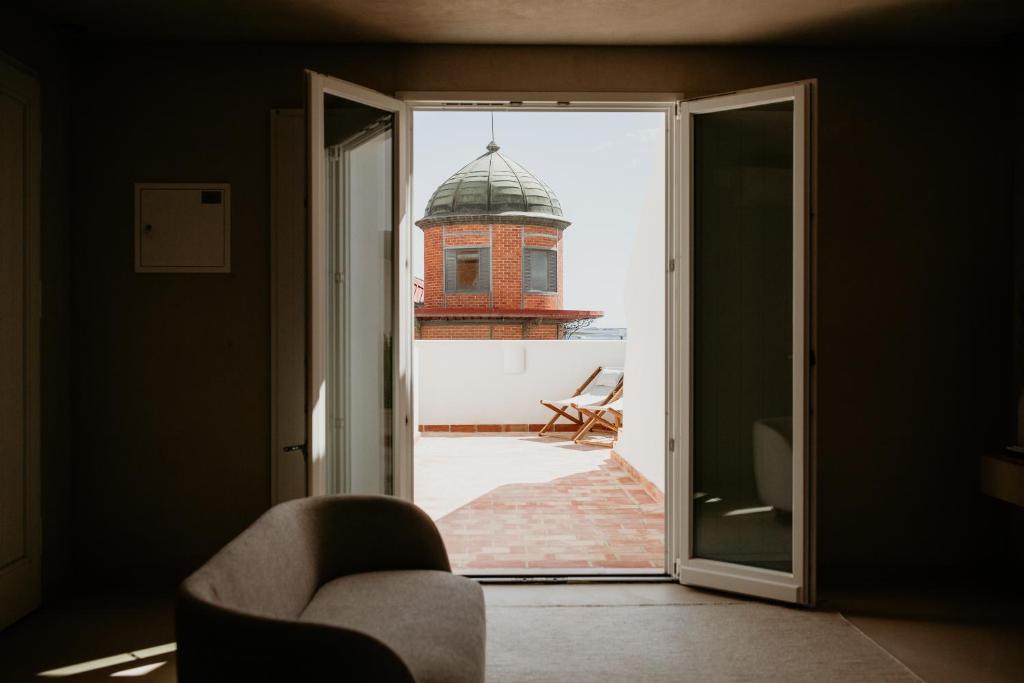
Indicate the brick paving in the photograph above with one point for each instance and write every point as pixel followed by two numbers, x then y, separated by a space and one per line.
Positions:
pixel 598 519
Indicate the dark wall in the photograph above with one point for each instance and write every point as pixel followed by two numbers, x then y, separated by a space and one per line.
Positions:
pixel 172 371
pixel 1016 63
pixel 1015 59
pixel 39 50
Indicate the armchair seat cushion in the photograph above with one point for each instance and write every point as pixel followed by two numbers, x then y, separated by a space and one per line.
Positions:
pixel 433 619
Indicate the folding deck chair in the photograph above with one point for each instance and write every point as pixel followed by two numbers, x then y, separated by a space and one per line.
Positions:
pixel 607 417
pixel 596 391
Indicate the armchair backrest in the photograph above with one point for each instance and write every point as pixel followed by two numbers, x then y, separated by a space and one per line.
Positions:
pixel 273 568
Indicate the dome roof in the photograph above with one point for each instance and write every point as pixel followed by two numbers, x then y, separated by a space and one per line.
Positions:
pixel 493 185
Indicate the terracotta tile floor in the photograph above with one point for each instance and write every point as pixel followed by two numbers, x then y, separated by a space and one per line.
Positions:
pixel 524 504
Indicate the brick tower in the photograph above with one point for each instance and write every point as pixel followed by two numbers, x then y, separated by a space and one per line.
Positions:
pixel 492 250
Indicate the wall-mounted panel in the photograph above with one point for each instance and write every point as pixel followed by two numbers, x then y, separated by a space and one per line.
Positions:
pixel 182 227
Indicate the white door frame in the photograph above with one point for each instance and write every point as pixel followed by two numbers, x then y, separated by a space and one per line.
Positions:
pixel 317 340
pixel 666 103
pixel 21 577
pixel 799 585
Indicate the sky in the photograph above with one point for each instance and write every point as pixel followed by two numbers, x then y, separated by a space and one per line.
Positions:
pixel 599 165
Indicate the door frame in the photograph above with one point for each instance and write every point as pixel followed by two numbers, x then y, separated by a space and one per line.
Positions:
pixel 678 252
pixel 798 586
pixel 666 103
pixel 21 579
pixel 316 343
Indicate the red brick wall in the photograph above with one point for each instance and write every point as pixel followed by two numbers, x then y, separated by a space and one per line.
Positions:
pixel 446 329
pixel 506 266
pixel 433 269
pixel 544 331
pixel 443 329
pixel 506 331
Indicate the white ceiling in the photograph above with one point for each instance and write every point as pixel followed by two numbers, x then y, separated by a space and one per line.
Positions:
pixel 553 22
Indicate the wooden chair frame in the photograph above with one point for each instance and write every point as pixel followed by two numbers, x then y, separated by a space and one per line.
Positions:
pixel 596 417
pixel 579 419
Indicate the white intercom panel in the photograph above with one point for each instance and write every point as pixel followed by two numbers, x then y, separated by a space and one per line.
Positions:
pixel 182 228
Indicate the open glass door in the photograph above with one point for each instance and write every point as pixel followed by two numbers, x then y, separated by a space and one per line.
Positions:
pixel 360 288
pixel 744 511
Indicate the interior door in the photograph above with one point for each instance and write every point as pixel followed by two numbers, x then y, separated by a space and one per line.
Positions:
pixel 745 509
pixel 360 291
pixel 20 515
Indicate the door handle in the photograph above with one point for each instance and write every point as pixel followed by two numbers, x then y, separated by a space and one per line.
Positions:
pixel 296 447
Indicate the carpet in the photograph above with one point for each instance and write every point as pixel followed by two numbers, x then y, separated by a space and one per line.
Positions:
pixel 738 641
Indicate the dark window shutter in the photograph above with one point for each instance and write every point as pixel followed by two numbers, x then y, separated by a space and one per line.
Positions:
pixel 552 271
pixel 540 270
pixel 449 270
pixel 527 269
pixel 483 278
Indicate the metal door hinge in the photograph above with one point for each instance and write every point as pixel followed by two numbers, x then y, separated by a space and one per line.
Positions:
pixel 671 265
pixel 672 445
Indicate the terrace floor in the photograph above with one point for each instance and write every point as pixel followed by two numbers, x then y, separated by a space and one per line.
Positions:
pixel 520 503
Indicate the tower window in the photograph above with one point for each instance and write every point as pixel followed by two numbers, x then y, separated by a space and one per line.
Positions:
pixel 467 270
pixel 540 270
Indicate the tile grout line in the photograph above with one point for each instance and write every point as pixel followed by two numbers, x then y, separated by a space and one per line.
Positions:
pixel 879 646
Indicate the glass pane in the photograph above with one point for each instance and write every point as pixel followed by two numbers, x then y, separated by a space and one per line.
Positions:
pixel 358 197
pixel 743 314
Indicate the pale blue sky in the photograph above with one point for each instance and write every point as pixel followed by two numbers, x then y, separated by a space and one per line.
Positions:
pixel 597 163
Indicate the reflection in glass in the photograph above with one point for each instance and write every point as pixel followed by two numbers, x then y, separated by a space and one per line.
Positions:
pixel 743 313
pixel 358 197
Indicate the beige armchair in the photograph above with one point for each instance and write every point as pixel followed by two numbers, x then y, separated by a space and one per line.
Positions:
pixel 332 588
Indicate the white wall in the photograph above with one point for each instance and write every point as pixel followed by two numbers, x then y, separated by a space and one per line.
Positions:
pixel 642 439
pixel 502 382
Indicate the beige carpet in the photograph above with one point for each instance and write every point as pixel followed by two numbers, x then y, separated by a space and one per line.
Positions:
pixel 720 641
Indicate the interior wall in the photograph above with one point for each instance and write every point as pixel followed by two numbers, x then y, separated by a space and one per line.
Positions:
pixel 172 371
pixel 39 49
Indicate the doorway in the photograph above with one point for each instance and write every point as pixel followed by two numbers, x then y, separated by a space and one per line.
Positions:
pixel 718 547
pixel 539 251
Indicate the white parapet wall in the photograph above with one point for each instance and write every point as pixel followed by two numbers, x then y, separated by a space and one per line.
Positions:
pixel 469 382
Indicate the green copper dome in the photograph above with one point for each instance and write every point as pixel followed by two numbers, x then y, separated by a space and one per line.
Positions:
pixel 492 185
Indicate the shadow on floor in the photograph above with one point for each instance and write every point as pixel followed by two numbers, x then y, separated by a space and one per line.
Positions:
pixel 944 631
